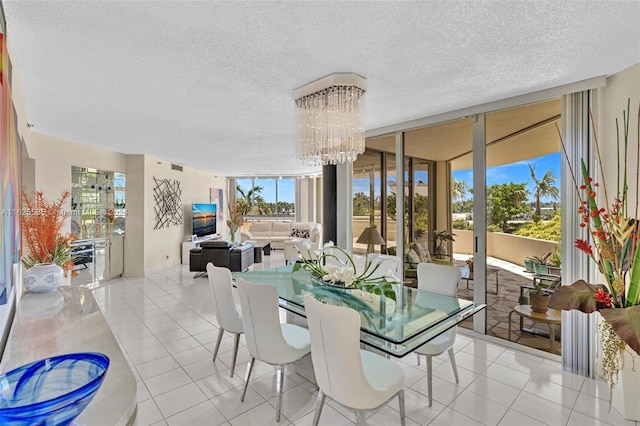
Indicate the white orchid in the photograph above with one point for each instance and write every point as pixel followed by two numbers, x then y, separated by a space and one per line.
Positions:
pixel 343 273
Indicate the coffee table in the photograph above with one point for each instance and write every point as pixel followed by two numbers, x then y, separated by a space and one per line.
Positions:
pixel 260 247
pixel 551 317
pixel 467 275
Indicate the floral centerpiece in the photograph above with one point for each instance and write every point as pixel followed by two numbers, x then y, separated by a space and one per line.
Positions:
pixel 614 247
pixel 345 274
pixel 41 224
pixel 236 219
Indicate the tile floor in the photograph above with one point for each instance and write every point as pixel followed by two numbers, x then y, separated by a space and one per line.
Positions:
pixel 167 328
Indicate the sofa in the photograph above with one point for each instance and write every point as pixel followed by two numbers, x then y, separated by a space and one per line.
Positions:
pixel 221 253
pixel 279 231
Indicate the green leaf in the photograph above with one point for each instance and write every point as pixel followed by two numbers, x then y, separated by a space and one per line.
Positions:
pixel 578 295
pixel 633 295
pixel 626 323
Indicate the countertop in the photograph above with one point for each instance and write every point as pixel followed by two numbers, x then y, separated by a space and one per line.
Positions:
pixel 67 321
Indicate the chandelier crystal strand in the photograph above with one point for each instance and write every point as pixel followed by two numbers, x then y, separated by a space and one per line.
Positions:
pixel 330 129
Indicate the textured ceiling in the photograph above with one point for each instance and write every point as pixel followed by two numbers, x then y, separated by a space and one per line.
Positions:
pixel 209 84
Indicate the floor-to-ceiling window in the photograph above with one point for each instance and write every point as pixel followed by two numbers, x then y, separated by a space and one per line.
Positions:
pixel 519 150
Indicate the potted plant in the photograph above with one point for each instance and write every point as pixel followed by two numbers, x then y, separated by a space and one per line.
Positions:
pixel 538 298
pixel 236 219
pixel 441 238
pixel 50 256
pixel 529 265
pixel 541 263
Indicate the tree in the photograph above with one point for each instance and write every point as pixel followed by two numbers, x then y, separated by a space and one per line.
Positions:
pixel 506 200
pixel 249 201
pixel 361 204
pixel 545 187
pixel 459 189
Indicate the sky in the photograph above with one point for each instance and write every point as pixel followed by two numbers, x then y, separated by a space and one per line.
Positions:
pixel 517 173
pixel 514 172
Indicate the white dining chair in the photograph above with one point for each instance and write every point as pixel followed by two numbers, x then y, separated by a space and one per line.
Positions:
pixel 229 319
pixel 268 340
pixel 441 279
pixel 388 266
pixel 355 378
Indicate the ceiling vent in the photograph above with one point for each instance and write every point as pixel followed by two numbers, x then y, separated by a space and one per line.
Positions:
pixel 176 167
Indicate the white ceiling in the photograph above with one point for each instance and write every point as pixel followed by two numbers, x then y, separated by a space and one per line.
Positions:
pixel 209 84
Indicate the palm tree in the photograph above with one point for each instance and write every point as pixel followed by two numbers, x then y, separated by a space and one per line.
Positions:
pixel 545 187
pixel 248 200
pixel 459 189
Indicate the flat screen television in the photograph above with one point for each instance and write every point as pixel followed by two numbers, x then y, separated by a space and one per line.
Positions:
pixel 203 219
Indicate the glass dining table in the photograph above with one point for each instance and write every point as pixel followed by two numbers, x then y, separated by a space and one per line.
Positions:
pixel 394 327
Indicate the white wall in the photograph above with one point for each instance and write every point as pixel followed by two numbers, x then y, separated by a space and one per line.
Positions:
pixel 54 158
pixel 162 247
pixel 612 100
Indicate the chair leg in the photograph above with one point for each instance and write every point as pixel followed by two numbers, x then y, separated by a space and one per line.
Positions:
pixel 215 351
pixel 279 386
pixel 401 404
pixel 418 358
pixel 246 379
pixel 360 417
pixel 319 404
pixel 430 378
pixel 452 357
pixel 235 353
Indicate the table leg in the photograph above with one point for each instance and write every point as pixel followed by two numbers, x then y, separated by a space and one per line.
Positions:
pixel 497 273
pixel 510 316
pixel 552 338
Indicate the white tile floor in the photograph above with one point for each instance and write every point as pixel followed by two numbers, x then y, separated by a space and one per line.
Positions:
pixel 166 326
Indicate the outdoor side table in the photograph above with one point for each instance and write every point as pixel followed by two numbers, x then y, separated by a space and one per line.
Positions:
pixel 552 318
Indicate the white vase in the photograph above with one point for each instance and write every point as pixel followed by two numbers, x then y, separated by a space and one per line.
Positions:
pixel 43 277
pixel 626 393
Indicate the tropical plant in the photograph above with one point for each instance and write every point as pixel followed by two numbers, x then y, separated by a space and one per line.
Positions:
pixel 614 247
pixel 345 274
pixel 236 218
pixel 249 200
pixel 459 189
pixel 545 187
pixel 41 224
pixel 542 260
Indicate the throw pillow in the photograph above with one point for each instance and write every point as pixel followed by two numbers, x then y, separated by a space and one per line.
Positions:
pixel 300 233
pixel 413 259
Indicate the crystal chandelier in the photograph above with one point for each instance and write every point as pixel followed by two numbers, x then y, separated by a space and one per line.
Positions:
pixel 329 110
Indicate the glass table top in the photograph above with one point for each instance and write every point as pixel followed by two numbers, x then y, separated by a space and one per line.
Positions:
pixel 396 327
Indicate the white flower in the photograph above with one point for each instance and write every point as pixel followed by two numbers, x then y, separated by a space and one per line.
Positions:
pixel 339 274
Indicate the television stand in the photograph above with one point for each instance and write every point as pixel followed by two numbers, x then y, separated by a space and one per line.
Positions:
pixel 188 245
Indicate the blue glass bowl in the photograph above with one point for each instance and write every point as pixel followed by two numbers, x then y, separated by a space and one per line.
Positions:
pixel 52 391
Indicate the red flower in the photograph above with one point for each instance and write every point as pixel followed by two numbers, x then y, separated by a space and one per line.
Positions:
pixel 603 297
pixel 589 180
pixel 583 186
pixel 584 247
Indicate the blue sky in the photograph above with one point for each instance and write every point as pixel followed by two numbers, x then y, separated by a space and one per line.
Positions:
pixel 514 172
